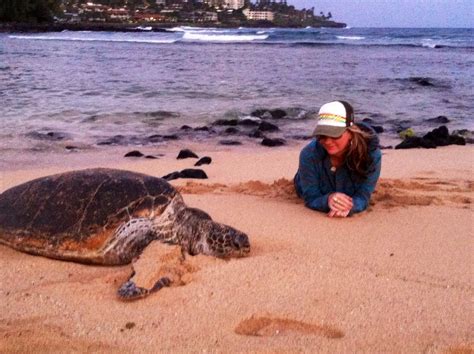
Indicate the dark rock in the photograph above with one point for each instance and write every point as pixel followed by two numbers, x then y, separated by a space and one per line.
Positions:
pixel 462 132
pixel 249 122
pixel 466 134
pixel 416 142
pixel 296 113
pixel 150 157
pixel 273 142
pixel 456 140
pixel 134 153
pixel 172 175
pixel 368 120
pixel 206 160
pixel 115 140
pixel 186 153
pixel 259 113
pixel 256 134
pixel 422 81
pixel 439 136
pixel 186 173
pixel 302 137
pixel 155 138
pixel 56 135
pixel 186 127
pixel 278 113
pixel 438 120
pixel 229 122
pixel 230 142
pixel 267 127
pixel 202 129
pixel 193 173
pixel 71 148
pixel 231 130
pixel 377 128
pixel 171 137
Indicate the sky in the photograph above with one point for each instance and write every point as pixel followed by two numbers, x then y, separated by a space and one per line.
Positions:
pixel 395 13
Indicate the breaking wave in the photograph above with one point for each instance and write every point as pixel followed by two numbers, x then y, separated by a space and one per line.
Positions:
pixel 206 37
pixel 97 39
pixel 352 38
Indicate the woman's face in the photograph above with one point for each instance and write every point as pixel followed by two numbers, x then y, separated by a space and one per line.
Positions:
pixel 335 146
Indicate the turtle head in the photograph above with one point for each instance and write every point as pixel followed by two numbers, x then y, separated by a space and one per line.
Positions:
pixel 224 241
pixel 199 234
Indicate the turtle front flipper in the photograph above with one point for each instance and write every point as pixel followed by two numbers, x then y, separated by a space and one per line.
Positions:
pixel 130 291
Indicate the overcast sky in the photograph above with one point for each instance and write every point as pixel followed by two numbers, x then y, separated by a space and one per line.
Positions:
pixel 395 13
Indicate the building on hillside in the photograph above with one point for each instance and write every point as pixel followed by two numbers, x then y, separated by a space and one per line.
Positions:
pixel 207 16
pixel 259 15
pixel 234 4
pixel 91 7
pixel 212 3
pixel 118 14
pixel 149 17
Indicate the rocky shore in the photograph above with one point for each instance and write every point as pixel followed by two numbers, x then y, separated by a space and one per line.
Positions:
pixel 123 27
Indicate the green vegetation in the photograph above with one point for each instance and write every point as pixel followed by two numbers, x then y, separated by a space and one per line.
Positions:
pixel 28 10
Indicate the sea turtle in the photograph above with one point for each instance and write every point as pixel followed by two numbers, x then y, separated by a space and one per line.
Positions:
pixel 108 216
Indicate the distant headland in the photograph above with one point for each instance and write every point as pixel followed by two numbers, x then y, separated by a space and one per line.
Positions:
pixel 154 15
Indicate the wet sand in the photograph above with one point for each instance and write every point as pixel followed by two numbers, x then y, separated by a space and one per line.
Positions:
pixel 397 278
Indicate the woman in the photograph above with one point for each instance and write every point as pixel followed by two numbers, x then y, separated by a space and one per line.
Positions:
pixel 339 169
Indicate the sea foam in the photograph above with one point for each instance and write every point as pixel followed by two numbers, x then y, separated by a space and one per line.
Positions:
pixel 351 38
pixel 193 36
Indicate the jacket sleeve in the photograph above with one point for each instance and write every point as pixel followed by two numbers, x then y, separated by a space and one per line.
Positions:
pixel 308 181
pixel 361 197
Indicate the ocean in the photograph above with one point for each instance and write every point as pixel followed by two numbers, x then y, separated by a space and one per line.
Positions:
pixel 109 88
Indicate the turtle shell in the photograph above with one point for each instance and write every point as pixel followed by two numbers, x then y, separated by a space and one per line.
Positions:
pixel 77 210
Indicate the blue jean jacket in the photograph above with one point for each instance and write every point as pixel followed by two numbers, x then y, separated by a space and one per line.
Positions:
pixel 315 181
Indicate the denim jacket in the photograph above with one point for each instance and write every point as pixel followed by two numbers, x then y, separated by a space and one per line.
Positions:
pixel 315 181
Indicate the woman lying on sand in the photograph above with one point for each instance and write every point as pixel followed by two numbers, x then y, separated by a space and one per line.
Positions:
pixel 339 169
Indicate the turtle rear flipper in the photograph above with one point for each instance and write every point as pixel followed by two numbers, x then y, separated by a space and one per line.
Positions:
pixel 130 291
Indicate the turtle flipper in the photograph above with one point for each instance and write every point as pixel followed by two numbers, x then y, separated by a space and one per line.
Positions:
pixel 130 291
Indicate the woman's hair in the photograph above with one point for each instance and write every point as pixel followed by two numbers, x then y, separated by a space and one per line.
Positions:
pixel 358 159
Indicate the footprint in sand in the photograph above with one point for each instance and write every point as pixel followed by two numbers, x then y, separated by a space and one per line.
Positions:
pixel 267 327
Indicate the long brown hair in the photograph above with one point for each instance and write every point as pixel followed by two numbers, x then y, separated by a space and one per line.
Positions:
pixel 358 159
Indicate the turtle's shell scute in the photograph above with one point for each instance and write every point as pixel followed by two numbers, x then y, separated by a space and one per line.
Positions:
pixel 77 204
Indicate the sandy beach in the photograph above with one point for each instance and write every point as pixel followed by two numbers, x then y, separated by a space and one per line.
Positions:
pixel 396 279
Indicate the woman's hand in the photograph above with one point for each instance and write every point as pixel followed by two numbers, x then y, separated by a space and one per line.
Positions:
pixel 338 214
pixel 340 205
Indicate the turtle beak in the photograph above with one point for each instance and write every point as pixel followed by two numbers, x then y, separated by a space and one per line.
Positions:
pixel 241 244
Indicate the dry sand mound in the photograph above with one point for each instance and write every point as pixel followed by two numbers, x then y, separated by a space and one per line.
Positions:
pixel 389 193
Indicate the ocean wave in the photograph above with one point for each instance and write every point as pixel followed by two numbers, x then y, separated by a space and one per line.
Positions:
pixel 193 36
pixel 365 44
pixel 189 28
pixel 175 29
pixel 352 38
pixel 96 39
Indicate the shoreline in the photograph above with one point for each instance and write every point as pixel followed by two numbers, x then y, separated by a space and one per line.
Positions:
pixel 124 27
